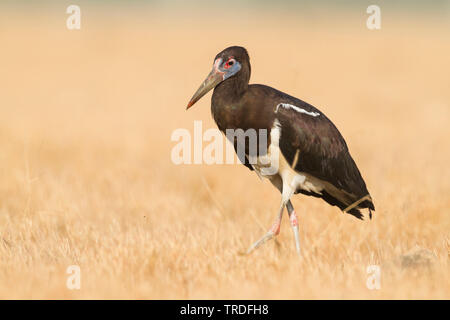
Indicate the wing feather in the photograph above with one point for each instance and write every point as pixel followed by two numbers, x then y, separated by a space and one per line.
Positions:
pixel 323 153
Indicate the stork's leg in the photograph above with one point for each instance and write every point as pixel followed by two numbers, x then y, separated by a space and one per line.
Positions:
pixel 294 225
pixel 275 229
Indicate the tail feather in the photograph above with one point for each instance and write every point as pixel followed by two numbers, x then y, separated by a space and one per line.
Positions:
pixel 337 199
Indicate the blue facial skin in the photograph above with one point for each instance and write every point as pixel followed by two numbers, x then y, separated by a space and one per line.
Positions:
pixel 232 70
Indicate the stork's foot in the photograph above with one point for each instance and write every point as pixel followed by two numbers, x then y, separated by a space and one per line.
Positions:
pixel 274 231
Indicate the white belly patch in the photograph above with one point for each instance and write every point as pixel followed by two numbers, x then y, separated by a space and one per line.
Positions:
pixel 274 163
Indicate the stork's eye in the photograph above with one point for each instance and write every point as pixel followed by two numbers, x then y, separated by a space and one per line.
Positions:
pixel 229 63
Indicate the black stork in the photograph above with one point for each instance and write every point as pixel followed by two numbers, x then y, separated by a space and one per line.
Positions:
pixel 312 156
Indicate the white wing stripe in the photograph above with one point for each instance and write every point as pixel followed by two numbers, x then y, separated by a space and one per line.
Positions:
pixel 290 106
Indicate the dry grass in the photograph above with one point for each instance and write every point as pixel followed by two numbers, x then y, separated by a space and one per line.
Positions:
pixel 86 176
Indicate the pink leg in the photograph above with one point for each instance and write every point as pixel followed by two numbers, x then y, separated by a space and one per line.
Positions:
pixel 275 228
pixel 294 224
pixel 273 231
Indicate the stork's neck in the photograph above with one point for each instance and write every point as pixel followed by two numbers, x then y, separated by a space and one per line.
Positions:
pixel 226 103
pixel 229 91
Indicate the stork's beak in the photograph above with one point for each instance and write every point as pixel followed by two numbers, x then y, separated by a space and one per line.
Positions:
pixel 212 80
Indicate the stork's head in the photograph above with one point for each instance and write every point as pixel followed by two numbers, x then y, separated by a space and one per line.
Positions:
pixel 231 62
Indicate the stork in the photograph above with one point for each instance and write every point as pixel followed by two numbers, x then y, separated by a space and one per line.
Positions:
pixel 312 156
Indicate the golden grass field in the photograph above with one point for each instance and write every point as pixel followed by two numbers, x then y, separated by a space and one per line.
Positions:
pixel 86 176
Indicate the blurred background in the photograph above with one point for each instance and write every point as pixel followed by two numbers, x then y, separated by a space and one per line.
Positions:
pixel 86 177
